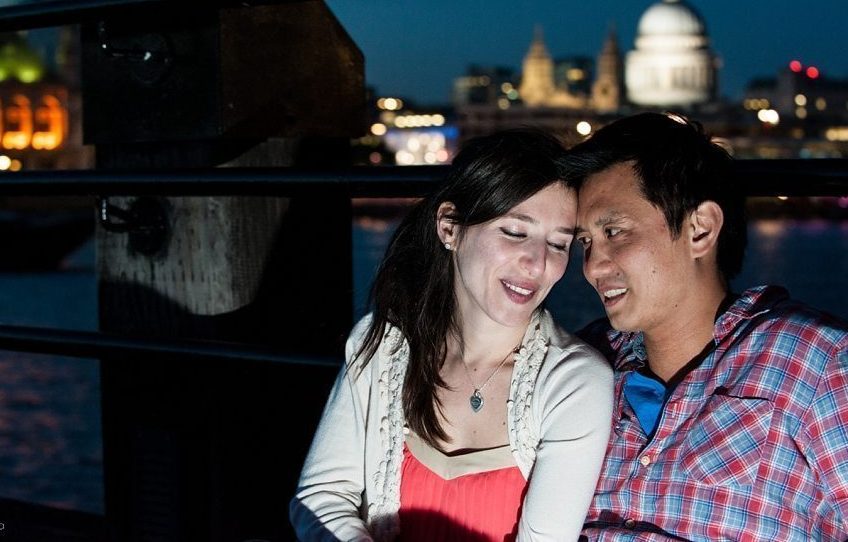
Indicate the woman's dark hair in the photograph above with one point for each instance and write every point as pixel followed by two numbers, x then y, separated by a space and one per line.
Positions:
pixel 679 167
pixel 414 287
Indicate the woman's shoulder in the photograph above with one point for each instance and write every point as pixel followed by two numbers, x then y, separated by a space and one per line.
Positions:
pixel 357 336
pixel 574 373
pixel 560 340
pixel 389 341
pixel 361 327
pixel 567 348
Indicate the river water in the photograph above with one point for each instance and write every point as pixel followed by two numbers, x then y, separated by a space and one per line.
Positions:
pixel 50 444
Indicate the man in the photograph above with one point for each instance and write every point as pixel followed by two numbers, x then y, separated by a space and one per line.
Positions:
pixel 731 414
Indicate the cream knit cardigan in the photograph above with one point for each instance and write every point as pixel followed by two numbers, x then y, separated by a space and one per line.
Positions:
pixel 559 417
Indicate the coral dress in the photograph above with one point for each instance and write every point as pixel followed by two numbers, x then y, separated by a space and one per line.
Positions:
pixel 473 497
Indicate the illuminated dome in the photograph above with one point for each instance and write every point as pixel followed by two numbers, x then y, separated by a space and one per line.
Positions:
pixel 672 64
pixel 671 18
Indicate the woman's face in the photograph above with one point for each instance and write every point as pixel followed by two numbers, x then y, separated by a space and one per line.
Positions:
pixel 505 268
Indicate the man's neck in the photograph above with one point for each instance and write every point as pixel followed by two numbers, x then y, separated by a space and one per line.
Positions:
pixel 672 347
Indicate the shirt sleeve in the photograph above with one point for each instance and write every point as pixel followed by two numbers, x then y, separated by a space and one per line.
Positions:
pixel 328 500
pixel 826 427
pixel 575 393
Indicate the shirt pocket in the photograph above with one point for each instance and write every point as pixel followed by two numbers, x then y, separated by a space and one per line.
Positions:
pixel 725 443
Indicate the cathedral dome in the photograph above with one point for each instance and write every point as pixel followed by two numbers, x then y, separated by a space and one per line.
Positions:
pixel 671 17
pixel 672 64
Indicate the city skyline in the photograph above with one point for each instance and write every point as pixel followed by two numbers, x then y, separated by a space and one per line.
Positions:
pixel 415 50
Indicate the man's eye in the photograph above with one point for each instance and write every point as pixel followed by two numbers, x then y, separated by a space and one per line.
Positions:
pixel 584 241
pixel 612 232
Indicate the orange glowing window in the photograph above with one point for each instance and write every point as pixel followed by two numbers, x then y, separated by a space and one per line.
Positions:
pixel 42 125
pixel 51 119
pixel 18 123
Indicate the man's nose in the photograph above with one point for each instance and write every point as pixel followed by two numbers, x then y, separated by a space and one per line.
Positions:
pixel 596 262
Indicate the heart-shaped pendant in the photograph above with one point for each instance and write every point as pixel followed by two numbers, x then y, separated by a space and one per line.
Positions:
pixel 476 401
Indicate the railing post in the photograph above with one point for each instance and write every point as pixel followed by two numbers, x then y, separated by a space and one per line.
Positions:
pixel 195 452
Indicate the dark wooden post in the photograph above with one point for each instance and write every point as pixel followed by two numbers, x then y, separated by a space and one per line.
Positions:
pixel 195 450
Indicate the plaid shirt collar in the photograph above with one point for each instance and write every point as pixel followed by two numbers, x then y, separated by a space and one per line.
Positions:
pixel 630 345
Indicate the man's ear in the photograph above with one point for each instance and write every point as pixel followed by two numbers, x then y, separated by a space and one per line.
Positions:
pixel 704 225
pixel 446 227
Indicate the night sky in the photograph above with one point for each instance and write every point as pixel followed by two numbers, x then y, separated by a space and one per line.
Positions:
pixel 415 48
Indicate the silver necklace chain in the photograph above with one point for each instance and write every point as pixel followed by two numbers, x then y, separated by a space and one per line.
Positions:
pixel 476 398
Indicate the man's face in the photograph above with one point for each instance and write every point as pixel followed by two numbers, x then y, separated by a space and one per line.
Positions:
pixel 630 256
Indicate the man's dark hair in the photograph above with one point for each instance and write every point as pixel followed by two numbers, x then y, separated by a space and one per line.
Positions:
pixel 678 167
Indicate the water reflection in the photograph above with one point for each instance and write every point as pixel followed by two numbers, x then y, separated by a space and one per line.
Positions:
pixel 50 447
pixel 809 257
pixel 50 438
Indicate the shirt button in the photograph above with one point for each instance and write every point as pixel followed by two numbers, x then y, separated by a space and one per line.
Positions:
pixel 645 460
pixel 629 523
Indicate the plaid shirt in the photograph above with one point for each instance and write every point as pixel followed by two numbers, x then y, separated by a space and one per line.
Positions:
pixel 751 445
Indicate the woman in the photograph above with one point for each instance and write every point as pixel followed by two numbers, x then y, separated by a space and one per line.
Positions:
pixel 464 412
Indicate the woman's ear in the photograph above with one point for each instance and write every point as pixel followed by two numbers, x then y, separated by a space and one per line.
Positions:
pixel 446 227
pixel 705 224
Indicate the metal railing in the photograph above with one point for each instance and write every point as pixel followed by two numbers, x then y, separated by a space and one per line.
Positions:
pixel 783 177
pixel 827 177
pixel 90 344
pixel 46 13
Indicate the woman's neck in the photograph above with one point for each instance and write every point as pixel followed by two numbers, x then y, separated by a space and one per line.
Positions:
pixel 485 344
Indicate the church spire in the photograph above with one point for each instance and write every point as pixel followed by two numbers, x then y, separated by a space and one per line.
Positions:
pixel 537 77
pixel 608 89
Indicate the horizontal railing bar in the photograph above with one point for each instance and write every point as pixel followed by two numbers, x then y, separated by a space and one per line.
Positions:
pixel 793 177
pixel 393 181
pixel 92 344
pixel 779 177
pixel 66 12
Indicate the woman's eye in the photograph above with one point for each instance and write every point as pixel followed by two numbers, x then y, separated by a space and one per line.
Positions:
pixel 559 247
pixel 513 234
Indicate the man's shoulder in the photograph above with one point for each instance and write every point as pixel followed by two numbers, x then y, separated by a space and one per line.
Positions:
pixel 806 322
pixel 792 336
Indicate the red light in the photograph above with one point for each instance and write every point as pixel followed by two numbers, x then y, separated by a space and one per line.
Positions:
pixel 812 72
pixel 795 66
